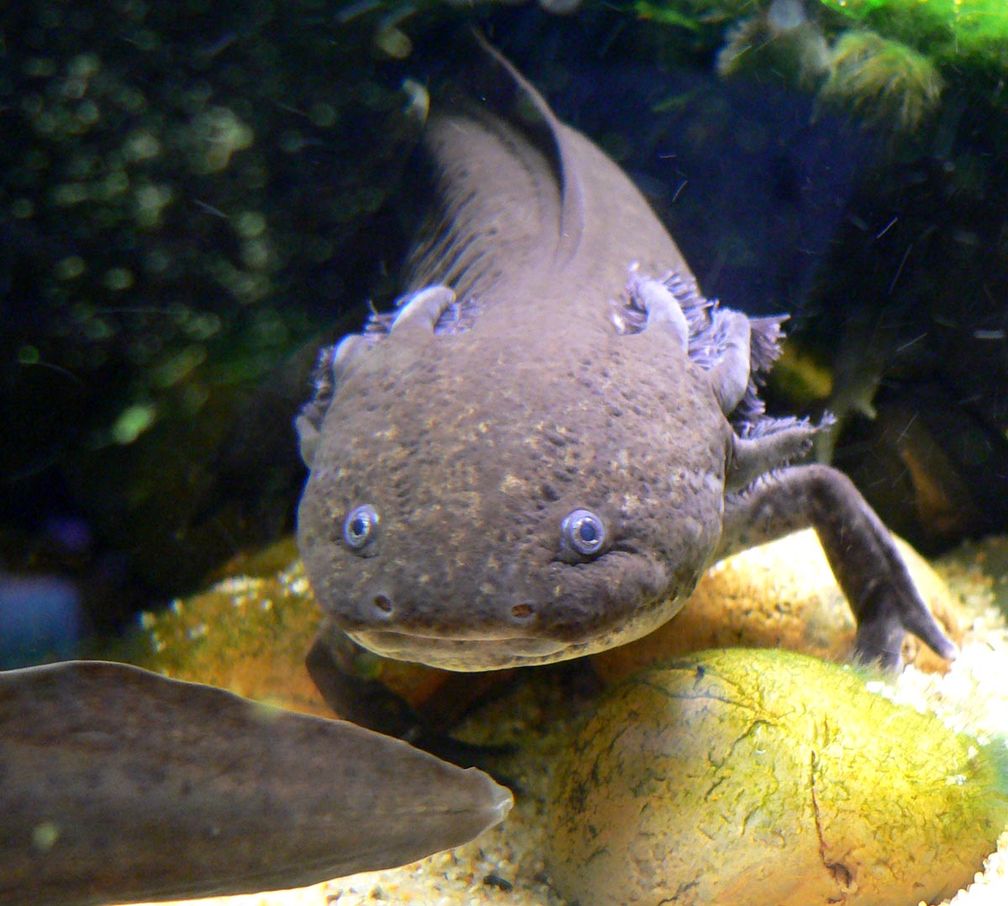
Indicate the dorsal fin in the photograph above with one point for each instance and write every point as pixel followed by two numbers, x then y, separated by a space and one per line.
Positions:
pixel 506 195
pixel 521 194
pixel 572 191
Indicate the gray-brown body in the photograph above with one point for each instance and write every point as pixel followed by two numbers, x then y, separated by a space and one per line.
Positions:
pixel 553 355
pixel 118 785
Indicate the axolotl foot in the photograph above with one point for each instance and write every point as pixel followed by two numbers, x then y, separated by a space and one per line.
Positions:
pixel 860 550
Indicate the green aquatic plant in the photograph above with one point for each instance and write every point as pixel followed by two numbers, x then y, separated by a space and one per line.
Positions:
pixel 883 81
pixel 782 40
pixel 692 14
pixel 885 61
pixel 944 29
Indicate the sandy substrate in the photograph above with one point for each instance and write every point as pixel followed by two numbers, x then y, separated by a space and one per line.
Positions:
pixel 505 865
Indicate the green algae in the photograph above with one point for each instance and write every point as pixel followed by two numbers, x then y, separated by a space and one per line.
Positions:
pixel 882 80
pixel 946 29
pixel 743 776
pixel 692 14
pixel 881 60
pixel 166 256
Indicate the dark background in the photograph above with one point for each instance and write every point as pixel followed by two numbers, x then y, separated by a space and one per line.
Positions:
pixel 195 196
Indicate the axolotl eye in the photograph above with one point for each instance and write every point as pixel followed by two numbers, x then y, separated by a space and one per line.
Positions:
pixel 583 533
pixel 360 528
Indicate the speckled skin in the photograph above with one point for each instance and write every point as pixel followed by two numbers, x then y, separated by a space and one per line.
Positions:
pixel 154 789
pixel 478 471
pixel 473 446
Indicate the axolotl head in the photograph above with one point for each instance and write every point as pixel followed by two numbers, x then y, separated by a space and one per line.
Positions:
pixel 476 504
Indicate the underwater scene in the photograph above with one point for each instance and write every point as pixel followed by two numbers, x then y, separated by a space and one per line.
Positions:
pixel 535 452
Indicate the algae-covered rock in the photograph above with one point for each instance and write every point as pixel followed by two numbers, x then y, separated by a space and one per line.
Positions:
pixel 247 633
pixel 754 777
pixel 883 80
pixel 950 29
pixel 250 633
pixel 779 595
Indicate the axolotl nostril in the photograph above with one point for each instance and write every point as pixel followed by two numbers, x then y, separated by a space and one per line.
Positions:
pixel 537 454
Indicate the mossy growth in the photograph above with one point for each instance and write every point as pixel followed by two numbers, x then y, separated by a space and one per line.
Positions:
pixel 880 60
pixel 945 29
pixel 784 43
pixel 883 81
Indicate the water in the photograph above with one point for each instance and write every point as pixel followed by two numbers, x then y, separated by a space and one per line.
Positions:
pixel 195 197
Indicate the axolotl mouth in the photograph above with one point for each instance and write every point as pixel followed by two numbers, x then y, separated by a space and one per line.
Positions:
pixel 466 654
pixel 470 653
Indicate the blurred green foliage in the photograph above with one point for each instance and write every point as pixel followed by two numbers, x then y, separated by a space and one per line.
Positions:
pixel 884 81
pixel 880 60
pixel 183 186
pixel 950 30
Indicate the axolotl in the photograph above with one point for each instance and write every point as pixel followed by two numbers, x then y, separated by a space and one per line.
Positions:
pixel 541 449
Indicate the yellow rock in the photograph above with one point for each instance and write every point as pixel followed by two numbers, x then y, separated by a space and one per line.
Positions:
pixel 766 777
pixel 779 595
pixel 250 633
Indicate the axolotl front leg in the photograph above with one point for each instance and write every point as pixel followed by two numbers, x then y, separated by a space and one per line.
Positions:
pixel 766 499
pixel 860 550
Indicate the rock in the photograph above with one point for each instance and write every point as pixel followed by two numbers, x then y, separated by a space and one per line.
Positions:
pixel 246 633
pixel 779 595
pixel 250 632
pixel 753 777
